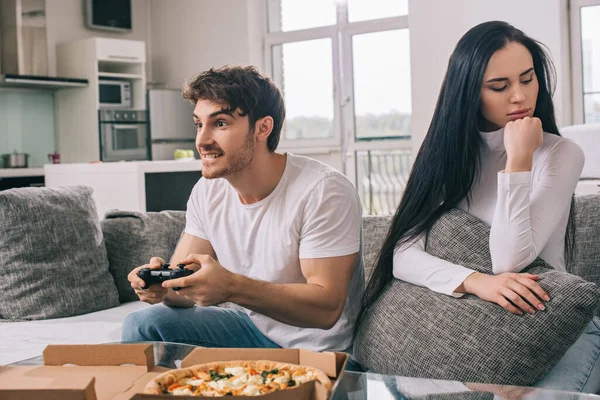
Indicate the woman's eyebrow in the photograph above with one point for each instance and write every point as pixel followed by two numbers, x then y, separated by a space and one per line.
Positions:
pixel 505 79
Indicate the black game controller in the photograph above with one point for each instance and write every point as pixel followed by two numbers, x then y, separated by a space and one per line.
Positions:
pixel 152 276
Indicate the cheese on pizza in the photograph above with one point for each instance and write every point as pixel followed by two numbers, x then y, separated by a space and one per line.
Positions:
pixel 241 378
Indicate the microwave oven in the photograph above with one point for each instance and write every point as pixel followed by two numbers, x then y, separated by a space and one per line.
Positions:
pixel 114 94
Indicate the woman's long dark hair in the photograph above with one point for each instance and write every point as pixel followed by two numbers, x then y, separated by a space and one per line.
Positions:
pixel 448 161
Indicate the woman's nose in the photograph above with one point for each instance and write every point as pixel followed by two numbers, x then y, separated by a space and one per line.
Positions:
pixel 517 95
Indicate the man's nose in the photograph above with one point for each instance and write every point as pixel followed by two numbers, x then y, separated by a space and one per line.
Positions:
pixel 203 137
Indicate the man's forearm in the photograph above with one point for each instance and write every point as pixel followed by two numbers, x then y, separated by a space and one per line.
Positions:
pixel 299 304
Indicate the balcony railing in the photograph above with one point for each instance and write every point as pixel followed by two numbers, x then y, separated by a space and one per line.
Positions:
pixel 382 177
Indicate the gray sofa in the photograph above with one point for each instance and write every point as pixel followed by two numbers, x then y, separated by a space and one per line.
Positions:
pixel 132 238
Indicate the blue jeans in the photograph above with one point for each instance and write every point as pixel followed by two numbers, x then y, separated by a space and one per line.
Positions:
pixel 579 369
pixel 198 326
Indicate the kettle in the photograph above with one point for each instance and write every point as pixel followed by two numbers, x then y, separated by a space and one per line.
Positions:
pixel 54 158
pixel 15 160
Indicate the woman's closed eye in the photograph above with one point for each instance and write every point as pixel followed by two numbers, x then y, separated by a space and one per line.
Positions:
pixel 528 80
pixel 501 89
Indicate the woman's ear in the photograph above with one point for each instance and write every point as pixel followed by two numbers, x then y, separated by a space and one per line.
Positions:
pixel 263 128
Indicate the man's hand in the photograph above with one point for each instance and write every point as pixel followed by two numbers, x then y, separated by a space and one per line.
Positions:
pixel 210 285
pixel 521 139
pixel 512 291
pixel 155 293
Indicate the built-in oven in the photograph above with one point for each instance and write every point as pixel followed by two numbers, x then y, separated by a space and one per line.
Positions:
pixel 114 94
pixel 123 135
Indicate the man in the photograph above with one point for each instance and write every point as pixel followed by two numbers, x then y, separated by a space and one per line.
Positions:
pixel 277 234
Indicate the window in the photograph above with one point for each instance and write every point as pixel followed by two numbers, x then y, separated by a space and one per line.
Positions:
pixel 585 32
pixel 344 70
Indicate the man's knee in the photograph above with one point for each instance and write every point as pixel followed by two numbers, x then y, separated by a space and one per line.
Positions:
pixel 145 325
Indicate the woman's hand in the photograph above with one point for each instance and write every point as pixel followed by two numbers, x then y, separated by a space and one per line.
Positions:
pixel 521 139
pixel 516 292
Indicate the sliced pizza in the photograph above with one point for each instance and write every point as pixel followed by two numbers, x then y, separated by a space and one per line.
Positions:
pixel 235 378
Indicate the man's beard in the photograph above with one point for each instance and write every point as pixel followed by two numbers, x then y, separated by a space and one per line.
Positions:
pixel 238 160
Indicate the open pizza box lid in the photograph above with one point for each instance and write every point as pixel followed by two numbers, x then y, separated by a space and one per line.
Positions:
pixel 121 372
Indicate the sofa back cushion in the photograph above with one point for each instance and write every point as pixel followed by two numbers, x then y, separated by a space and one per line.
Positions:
pixel 586 258
pixel 375 230
pixel 52 255
pixel 413 331
pixel 132 238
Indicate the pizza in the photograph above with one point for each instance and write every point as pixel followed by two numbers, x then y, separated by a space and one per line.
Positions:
pixel 235 378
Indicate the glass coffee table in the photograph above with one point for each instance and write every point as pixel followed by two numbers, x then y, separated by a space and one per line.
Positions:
pixel 363 386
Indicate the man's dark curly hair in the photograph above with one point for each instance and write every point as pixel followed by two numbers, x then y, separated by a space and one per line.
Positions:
pixel 243 89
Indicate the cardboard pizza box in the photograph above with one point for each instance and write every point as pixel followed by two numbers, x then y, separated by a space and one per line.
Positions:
pixel 121 372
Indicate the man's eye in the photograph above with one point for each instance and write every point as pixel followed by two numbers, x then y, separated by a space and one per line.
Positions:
pixel 198 124
pixel 499 89
pixel 221 123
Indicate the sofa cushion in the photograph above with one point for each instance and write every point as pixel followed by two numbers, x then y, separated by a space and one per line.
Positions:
pixel 586 259
pixel 375 230
pixel 52 255
pixel 132 238
pixel 413 331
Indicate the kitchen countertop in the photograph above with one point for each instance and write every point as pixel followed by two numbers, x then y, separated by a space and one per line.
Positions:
pixel 18 172
pixel 125 166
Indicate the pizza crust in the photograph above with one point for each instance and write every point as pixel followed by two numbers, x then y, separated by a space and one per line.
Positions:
pixel 166 379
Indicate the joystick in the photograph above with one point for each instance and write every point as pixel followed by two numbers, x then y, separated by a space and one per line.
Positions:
pixel 152 276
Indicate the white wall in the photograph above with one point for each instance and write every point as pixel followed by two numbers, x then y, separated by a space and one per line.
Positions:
pixel 437 25
pixel 65 22
pixel 190 36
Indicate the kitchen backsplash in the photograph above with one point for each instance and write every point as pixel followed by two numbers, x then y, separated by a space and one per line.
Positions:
pixel 27 125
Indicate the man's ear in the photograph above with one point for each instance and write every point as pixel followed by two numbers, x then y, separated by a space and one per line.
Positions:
pixel 263 128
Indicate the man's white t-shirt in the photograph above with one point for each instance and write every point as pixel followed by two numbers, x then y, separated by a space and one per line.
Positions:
pixel 313 212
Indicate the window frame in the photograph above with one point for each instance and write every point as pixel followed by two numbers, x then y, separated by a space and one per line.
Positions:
pixel 344 141
pixel 281 38
pixel 575 7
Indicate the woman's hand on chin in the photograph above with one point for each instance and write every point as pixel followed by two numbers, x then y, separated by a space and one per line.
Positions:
pixel 521 139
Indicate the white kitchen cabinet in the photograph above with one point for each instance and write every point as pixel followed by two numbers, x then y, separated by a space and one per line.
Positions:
pixel 77 111
pixel 120 50
pixel 125 185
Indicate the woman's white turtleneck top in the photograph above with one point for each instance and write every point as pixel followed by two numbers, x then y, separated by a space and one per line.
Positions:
pixel 527 211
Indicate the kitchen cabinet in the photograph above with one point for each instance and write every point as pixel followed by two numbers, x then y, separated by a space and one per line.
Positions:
pixel 77 111
pixel 11 178
pixel 131 186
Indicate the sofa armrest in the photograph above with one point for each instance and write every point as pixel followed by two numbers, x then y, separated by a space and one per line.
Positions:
pixel 586 258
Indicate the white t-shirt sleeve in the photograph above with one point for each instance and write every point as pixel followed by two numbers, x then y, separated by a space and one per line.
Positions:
pixel 194 223
pixel 332 220
pixel 414 265
pixel 525 218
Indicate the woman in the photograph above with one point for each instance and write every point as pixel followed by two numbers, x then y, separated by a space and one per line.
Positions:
pixel 493 149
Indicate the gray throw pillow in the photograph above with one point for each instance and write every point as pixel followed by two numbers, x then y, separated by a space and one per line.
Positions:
pixel 132 238
pixel 413 331
pixel 52 255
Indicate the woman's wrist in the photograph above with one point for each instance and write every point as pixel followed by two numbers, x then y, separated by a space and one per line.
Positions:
pixel 468 284
pixel 522 163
